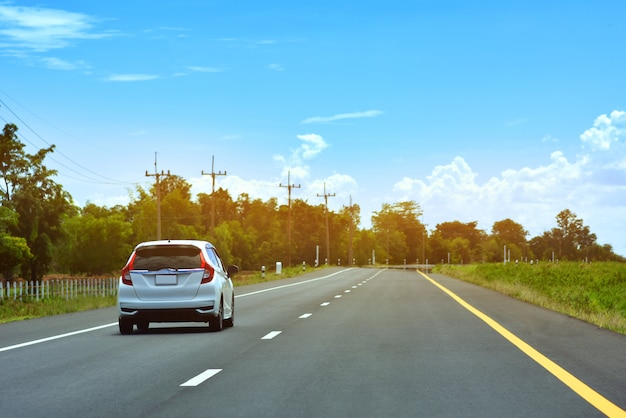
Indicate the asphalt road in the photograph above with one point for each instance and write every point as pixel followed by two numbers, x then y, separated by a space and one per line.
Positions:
pixel 333 343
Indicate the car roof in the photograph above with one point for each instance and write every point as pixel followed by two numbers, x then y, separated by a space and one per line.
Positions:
pixel 196 243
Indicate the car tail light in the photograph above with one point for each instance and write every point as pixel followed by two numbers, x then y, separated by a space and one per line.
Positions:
pixel 209 272
pixel 126 272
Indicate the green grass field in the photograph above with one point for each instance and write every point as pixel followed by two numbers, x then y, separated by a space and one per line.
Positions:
pixel 15 310
pixel 595 293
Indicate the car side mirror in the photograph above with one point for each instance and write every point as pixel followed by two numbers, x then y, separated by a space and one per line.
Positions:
pixel 232 269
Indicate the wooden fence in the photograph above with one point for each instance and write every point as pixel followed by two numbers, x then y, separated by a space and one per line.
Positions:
pixel 58 288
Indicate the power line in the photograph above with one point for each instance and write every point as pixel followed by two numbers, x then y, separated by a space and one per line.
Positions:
pixel 93 180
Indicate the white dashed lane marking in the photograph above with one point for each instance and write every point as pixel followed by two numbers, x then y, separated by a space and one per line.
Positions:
pixel 207 374
pixel 271 335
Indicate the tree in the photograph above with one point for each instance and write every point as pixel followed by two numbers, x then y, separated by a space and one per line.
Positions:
pixel 141 214
pixel 445 234
pixel 260 221
pixel 97 241
pixel 13 250
pixel 513 235
pixel 398 231
pixel 13 162
pixel 40 202
pixel 232 243
pixel 308 230
pixel 572 236
pixel 509 232
pixel 220 201
pixel 365 248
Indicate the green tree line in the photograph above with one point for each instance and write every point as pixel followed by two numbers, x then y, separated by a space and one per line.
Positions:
pixel 42 230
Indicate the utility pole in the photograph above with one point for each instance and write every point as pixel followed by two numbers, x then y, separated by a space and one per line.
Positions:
pixel 213 174
pixel 289 186
pixel 326 196
pixel 158 192
pixel 350 250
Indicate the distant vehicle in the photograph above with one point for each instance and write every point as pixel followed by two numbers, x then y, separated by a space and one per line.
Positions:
pixel 176 281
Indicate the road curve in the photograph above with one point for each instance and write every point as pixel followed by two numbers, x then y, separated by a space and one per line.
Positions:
pixel 334 342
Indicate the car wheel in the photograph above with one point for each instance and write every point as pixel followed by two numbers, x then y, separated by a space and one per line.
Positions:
pixel 126 326
pixel 231 321
pixel 217 324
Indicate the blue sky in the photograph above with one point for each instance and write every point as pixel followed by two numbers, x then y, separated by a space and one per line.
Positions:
pixel 478 111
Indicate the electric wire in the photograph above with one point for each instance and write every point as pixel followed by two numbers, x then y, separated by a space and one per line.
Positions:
pixel 91 179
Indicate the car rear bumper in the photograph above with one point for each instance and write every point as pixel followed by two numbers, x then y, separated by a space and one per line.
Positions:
pixel 203 314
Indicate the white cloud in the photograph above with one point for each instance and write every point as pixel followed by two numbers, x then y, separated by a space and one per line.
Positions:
pixel 231 137
pixel 256 189
pixel 140 132
pixel 132 77
pixel 294 171
pixel 340 186
pixel 606 131
pixel 59 64
pixel 42 29
pixel 355 115
pixel 312 145
pixel 200 69
pixel 275 67
pixel 549 138
pixel 516 122
pixel 590 186
pixel 297 172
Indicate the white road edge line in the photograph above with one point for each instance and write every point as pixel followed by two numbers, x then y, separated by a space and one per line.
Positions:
pixel 55 337
pixel 305 316
pixel 205 375
pixel 271 335
pixel 292 284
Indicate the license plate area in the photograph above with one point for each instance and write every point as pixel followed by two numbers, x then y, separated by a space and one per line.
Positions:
pixel 166 280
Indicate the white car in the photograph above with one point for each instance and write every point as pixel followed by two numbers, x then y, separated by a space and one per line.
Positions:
pixel 176 281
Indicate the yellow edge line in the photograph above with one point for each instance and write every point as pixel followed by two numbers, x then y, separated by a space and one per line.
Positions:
pixel 594 398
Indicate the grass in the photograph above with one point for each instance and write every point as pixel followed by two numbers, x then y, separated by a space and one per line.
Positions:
pixel 16 310
pixel 245 278
pixel 595 293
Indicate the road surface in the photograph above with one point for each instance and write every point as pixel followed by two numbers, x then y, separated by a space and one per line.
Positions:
pixel 337 342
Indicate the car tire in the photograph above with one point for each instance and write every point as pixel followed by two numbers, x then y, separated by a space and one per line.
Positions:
pixel 228 323
pixel 217 324
pixel 126 326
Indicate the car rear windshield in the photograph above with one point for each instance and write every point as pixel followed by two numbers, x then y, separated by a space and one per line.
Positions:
pixel 167 256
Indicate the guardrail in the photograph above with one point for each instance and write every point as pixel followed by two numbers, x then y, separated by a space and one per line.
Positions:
pixel 58 288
